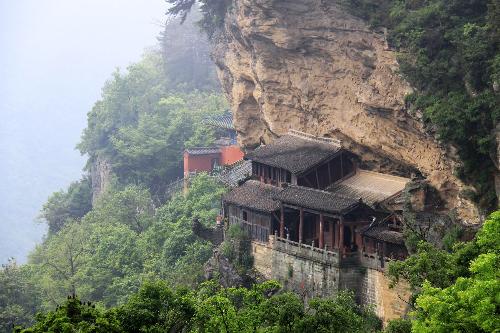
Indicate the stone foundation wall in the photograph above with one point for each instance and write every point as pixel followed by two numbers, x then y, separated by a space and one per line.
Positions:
pixel 262 259
pixel 389 303
pixel 307 277
pixel 303 272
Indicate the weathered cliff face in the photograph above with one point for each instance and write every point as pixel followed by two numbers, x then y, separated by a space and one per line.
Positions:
pixel 100 175
pixel 311 66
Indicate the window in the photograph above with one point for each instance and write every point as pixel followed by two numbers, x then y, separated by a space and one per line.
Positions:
pixel 245 215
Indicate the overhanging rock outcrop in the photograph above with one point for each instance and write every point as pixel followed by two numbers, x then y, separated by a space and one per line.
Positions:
pixel 311 66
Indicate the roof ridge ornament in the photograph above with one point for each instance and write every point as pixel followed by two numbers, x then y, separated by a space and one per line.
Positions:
pixel 312 137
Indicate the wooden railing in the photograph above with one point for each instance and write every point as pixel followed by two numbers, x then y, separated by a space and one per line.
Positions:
pixel 255 231
pixel 306 251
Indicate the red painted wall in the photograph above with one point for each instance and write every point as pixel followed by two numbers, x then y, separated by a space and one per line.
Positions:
pixel 199 162
pixel 230 154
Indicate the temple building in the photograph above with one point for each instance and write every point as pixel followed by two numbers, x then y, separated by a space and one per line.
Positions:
pixel 306 203
pixel 223 152
pixel 310 190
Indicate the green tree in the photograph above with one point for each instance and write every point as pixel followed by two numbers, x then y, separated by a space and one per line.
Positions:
pixel 398 326
pixel 213 12
pixel 176 253
pixel 131 206
pixel 156 308
pixel 19 295
pixel 471 303
pixel 339 314
pixel 58 261
pixel 74 316
pixel 63 206
pixel 428 263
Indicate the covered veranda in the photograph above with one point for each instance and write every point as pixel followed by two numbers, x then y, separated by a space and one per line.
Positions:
pixel 320 219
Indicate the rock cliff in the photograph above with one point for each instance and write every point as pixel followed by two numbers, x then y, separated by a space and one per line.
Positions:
pixel 100 175
pixel 311 66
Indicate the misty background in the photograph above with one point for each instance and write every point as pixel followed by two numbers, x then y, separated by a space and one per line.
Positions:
pixel 56 56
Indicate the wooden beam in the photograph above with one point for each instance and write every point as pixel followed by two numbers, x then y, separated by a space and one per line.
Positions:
pixel 335 216
pixel 301 223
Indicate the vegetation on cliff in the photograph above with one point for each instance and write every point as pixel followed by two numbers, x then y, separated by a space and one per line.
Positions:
pixel 104 250
pixel 210 308
pixel 449 51
pixel 132 252
pixel 457 290
pixel 462 296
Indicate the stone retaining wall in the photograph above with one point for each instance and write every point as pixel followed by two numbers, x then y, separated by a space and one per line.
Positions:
pixel 314 274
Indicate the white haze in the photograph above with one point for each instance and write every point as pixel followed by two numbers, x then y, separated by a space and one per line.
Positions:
pixel 54 58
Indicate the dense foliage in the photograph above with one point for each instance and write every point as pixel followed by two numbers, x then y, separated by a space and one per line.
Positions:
pixel 71 204
pixel 141 128
pixel 210 308
pixel 455 291
pixel 19 295
pixel 106 256
pixel 449 51
pixel 104 250
pixel 132 252
pixel 212 12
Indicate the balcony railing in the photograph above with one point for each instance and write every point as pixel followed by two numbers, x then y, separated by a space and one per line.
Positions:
pixel 306 251
pixel 255 231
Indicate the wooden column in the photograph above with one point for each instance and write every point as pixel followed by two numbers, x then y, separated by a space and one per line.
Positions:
pixel 329 173
pixel 341 235
pixel 282 222
pixel 332 234
pixel 337 233
pixel 301 224
pixel 321 231
pixel 341 166
pixel 317 178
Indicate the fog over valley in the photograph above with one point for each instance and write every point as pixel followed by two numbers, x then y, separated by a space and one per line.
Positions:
pixel 56 56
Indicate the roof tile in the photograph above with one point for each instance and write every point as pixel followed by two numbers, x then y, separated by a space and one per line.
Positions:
pixel 254 195
pixel 294 153
pixel 373 187
pixel 316 199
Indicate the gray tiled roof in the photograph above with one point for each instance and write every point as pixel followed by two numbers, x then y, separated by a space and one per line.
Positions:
pixel 372 187
pixel 202 150
pixel 384 234
pixel 222 121
pixel 317 199
pixel 294 153
pixel 235 173
pixel 254 195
